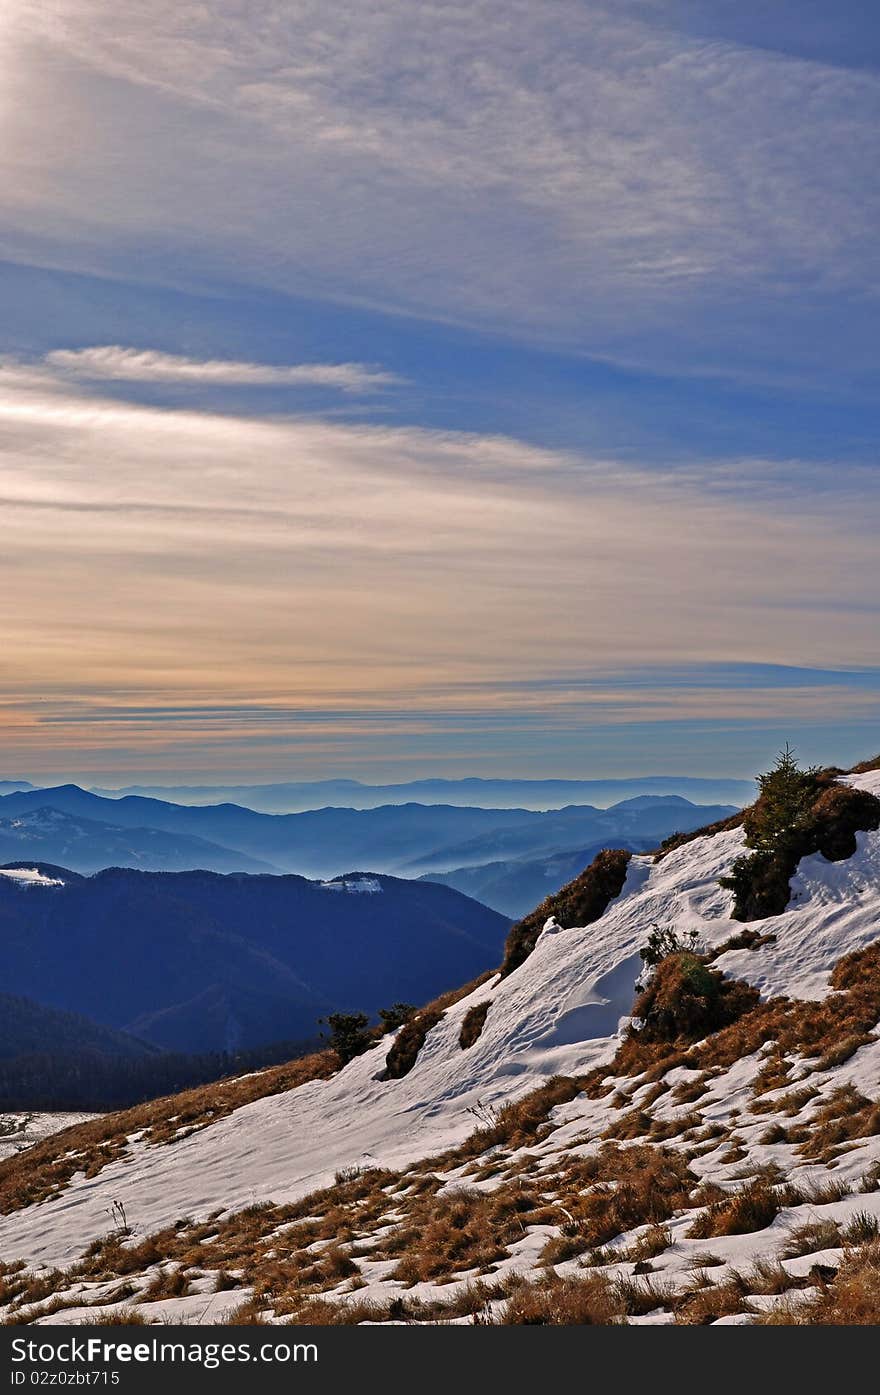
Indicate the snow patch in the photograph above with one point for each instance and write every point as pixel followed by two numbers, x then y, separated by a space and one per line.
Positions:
pixel 29 876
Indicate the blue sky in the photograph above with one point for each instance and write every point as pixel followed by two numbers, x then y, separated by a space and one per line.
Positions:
pixel 396 390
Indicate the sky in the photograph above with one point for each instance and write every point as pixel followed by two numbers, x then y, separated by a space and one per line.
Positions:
pixel 395 390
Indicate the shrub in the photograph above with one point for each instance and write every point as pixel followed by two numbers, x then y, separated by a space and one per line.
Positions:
pixel 396 1016
pixel 349 1035
pixel 472 1024
pixel 783 804
pixel 686 1000
pixel 404 1050
pixel 579 903
pixel 664 941
pixel 798 812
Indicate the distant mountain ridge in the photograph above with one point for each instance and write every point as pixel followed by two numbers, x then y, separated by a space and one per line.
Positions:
pixel 407 839
pixel 197 961
pixel 30 1027
pixel 51 835
pixel 514 885
pixel 470 792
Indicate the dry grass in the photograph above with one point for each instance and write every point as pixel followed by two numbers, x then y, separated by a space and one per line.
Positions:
pixel 811 1237
pixel 116 1317
pixel 844 1115
pixel 650 1243
pixel 681 840
pixel 555 1302
pixel 753 1207
pixel 844 1050
pixel 850 1299
pixel 746 939
pixel 170 1282
pixel 516 1124
pixel 861 1229
pixel 581 902
pixel 404 1050
pixel 640 1296
pixel 793 1026
pixel 460 1230
pixel 614 1191
pixel 700 1305
pixel 472 1024
pixel 40 1172
pixel 686 1091
pixel 774 1134
pixel 686 1000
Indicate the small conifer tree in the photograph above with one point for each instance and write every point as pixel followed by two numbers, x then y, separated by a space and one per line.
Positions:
pixel 396 1016
pixel 786 797
pixel 348 1034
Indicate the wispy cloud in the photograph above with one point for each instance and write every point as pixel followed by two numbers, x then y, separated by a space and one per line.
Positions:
pixel 302 581
pixel 113 361
pixel 598 180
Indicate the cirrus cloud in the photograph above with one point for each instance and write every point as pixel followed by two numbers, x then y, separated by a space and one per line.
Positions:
pixel 113 361
pixel 603 180
pixel 237 590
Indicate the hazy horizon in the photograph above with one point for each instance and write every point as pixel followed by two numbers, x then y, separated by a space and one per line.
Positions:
pixel 403 390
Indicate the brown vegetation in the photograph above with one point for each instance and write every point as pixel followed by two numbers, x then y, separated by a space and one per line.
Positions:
pixel 404 1050
pixel 791 1025
pixel 579 903
pixel 850 1299
pixel 685 1000
pixel 588 1302
pixel 709 830
pixel 751 1208
pixel 760 881
pixel 40 1172
pixel 472 1024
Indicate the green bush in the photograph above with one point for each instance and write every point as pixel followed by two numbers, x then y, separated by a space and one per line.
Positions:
pixel 396 1016
pixel 783 806
pixel 664 940
pixel 349 1034
pixel 797 813
pixel 685 1000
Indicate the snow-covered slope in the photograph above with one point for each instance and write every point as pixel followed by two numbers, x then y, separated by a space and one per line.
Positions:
pixel 20 1129
pixel 558 1014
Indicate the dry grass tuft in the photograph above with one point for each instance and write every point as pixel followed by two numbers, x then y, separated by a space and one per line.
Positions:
pixel 850 1299
pixel 555 1302
pixel 753 1207
pixel 581 902
pixel 701 1304
pixel 168 1283
pixel 473 1023
pixel 807 1239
